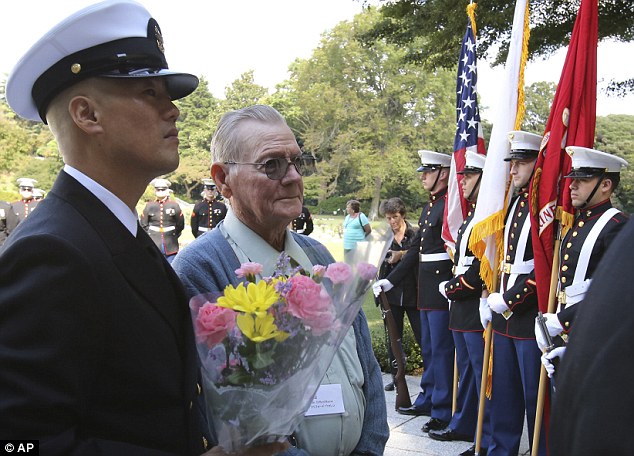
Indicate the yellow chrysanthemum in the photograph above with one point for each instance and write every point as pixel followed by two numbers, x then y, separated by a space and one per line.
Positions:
pixel 259 329
pixel 254 298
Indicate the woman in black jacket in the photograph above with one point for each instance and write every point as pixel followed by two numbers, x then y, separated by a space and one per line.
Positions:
pixel 402 298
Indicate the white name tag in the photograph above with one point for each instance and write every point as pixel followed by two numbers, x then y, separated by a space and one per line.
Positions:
pixel 327 401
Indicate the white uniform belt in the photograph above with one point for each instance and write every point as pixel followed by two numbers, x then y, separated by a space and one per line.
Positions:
pixel 203 228
pixel 428 257
pixel 162 230
pixel 522 267
pixel 574 292
pixel 463 265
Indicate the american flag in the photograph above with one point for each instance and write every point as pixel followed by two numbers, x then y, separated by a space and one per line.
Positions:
pixel 468 136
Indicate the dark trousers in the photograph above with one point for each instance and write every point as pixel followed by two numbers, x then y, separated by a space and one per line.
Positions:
pixel 469 357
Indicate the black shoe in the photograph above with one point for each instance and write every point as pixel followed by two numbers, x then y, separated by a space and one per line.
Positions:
pixel 448 434
pixel 413 410
pixel 471 451
pixel 434 425
pixel 389 387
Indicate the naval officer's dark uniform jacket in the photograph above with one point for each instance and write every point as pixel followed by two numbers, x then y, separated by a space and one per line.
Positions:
pixel 164 222
pixel 465 288
pixel 429 258
pixel 96 348
pixel 518 285
pixel 578 263
pixel 206 215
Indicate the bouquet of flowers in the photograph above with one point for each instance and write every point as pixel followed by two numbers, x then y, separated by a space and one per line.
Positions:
pixel 266 344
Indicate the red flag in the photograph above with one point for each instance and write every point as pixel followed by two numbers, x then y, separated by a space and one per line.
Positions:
pixel 468 135
pixel 571 123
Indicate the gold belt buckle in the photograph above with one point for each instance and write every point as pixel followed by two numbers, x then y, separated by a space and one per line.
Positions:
pixel 507 268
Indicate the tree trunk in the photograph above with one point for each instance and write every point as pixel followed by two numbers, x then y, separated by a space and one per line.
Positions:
pixel 376 199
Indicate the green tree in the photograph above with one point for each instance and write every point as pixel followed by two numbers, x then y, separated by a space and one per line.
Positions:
pixel 195 125
pixel 433 28
pixel 364 114
pixel 539 98
pixel 614 134
pixel 244 92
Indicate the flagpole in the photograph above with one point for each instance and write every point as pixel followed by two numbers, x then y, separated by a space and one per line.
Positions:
pixel 488 334
pixel 454 396
pixel 543 383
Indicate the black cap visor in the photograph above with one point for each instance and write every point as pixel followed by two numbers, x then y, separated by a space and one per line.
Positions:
pixel 428 168
pixel 585 173
pixel 470 170
pixel 522 154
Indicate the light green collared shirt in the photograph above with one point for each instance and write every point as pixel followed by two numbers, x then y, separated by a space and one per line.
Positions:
pixel 324 435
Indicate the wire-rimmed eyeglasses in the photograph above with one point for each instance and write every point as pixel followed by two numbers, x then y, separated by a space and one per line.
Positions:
pixel 276 168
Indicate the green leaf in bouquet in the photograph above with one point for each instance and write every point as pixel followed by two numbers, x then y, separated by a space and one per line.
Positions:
pixel 262 359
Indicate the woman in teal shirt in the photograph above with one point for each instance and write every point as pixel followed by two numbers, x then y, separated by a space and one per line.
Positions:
pixel 356 226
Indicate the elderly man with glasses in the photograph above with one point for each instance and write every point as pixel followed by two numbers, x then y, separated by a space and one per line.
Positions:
pixel 252 153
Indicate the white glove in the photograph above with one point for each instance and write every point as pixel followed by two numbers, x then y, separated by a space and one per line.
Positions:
pixel 441 288
pixel 548 357
pixel 552 324
pixel 485 312
pixel 539 337
pixel 496 303
pixel 382 284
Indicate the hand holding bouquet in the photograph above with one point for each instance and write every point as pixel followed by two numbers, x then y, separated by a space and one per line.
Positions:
pixel 266 344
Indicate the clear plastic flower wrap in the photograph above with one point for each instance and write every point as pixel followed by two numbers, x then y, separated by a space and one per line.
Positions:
pixel 266 344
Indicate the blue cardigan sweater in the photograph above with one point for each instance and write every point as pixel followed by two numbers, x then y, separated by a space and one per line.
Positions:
pixel 208 265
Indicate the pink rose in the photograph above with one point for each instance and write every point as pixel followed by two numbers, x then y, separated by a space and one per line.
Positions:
pixel 338 272
pixel 309 302
pixel 318 270
pixel 367 271
pixel 247 269
pixel 213 323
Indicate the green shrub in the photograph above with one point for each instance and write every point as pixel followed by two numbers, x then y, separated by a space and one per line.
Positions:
pixel 410 347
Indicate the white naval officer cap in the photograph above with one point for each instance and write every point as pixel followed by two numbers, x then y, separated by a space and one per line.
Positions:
pixel 26 182
pixel 113 38
pixel 474 163
pixel 431 160
pixel 524 145
pixel 159 182
pixel 591 162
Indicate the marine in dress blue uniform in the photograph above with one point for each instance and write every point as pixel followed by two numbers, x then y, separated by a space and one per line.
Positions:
pixel 592 412
pixel 208 212
pixel 433 264
pixel 163 219
pixel 464 291
pixel 516 365
pixel 22 208
pixel 593 178
pixel 303 224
